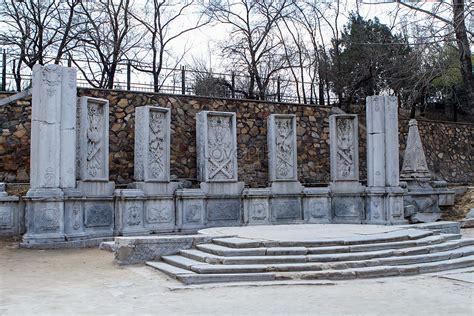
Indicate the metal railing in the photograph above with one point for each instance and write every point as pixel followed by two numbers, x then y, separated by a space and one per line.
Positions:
pixel 180 81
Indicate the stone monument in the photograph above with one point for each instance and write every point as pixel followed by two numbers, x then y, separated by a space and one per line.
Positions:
pixel 285 188
pixel 89 208
pixel 384 203
pixel 217 167
pixel 148 207
pixel 423 196
pixel 52 158
pixel 347 202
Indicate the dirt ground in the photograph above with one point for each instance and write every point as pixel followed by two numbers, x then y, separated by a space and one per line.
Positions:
pixel 86 282
pixel 462 204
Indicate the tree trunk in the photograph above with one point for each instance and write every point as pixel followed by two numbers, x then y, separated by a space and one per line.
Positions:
pixel 464 50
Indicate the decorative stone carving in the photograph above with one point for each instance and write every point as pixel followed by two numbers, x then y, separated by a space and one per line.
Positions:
pixel 159 215
pixel 152 144
pixel 217 146
pixel 93 139
pixel 134 215
pixel 193 213
pixel 6 217
pixel 282 147
pixel 344 147
pixel 223 210
pixel 286 209
pixel 77 217
pixel 99 215
pixel 48 219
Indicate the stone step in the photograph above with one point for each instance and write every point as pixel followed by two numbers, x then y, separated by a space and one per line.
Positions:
pixel 200 267
pixel 284 251
pixel 201 256
pixel 335 257
pixel 382 246
pixel 220 278
pixel 382 271
pixel 357 256
pixel 237 242
pixel 190 277
pixel 182 262
pixel 393 236
pixel 231 252
pixel 168 269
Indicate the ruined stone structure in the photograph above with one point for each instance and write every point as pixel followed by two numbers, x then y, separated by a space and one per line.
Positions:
pixel 72 201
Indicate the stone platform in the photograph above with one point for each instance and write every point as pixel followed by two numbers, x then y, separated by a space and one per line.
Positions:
pixel 300 252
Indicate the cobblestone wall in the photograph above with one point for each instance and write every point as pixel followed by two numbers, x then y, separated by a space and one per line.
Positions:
pixel 447 146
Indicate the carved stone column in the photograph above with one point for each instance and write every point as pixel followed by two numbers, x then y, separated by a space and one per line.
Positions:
pixel 347 203
pixel 150 202
pixel 285 189
pixel 217 167
pixel 90 208
pixel 45 207
pixel 384 203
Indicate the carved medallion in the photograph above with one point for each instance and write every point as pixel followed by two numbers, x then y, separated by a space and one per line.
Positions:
pixel 133 215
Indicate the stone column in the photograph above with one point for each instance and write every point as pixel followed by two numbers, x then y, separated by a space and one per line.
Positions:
pixel 285 189
pixel 68 128
pixel 347 205
pixel 90 208
pixel 217 167
pixel 152 193
pixel 152 144
pixel 52 151
pixel 384 202
pixel 93 145
pixel 45 163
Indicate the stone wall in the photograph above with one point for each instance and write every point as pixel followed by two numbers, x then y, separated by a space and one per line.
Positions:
pixel 448 146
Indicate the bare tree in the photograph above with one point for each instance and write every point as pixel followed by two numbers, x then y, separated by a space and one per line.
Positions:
pixel 254 46
pixel 107 40
pixel 459 14
pixel 38 31
pixel 163 22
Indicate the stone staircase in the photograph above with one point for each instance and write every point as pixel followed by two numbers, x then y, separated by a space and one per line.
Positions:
pixel 236 259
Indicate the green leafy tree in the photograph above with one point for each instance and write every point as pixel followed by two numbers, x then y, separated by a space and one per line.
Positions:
pixel 369 57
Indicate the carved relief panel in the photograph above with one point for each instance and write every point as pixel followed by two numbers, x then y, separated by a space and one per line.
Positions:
pixel 344 147
pixel 93 142
pixel 152 144
pixel 217 146
pixel 282 147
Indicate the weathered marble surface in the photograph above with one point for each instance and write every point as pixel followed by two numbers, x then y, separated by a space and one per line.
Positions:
pixel 152 144
pixel 93 139
pixel 11 214
pixel 384 201
pixel 414 160
pixel 282 151
pixel 344 144
pixel 216 146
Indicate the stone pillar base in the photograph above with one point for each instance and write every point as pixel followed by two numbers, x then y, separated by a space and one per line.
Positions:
pixel 256 206
pixel 44 216
pixel 347 202
pixel 317 205
pixel 190 211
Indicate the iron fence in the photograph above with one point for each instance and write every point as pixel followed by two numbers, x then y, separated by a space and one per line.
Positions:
pixel 179 80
